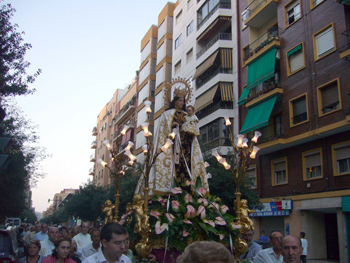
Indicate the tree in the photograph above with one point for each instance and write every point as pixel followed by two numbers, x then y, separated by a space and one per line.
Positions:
pixel 28 216
pixel 13 77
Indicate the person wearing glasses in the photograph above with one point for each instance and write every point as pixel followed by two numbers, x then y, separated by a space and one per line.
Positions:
pixel 272 254
pixel 114 241
pixel 253 248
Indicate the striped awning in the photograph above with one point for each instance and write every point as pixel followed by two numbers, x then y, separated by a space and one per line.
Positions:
pixel 205 99
pixel 226 58
pixel 226 90
pixel 205 65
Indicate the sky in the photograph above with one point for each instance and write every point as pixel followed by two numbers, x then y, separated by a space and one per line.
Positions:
pixel 86 49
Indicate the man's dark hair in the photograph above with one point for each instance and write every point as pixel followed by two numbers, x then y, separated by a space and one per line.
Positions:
pixel 94 229
pixel 274 231
pixel 63 228
pixel 302 234
pixel 110 228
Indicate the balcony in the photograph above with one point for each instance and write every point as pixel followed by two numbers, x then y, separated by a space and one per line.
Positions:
pixel 92 158
pixel 221 36
pixel 92 171
pixel 94 145
pixel 269 133
pixel 344 2
pixel 262 91
pixel 124 113
pixel 258 12
pixel 94 131
pixel 223 5
pixel 263 43
pixel 345 46
pixel 221 141
pixel 214 107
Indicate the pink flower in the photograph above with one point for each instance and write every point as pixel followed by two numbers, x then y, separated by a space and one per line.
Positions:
pixel 154 213
pixel 185 233
pixel 234 226
pixel 201 211
pixel 221 236
pixel 220 221
pixel 189 183
pixel 202 190
pixel 203 201
pixel 175 205
pixel 176 190
pixel 186 221
pixel 224 209
pixel 215 205
pixel 170 217
pixel 160 228
pixel 188 198
pixel 209 222
pixel 191 212
pixel 161 200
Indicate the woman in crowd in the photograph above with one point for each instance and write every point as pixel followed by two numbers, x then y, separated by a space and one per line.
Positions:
pixel 61 251
pixel 33 248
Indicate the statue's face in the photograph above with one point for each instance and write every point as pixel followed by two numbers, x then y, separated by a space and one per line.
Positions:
pixel 109 202
pixel 179 103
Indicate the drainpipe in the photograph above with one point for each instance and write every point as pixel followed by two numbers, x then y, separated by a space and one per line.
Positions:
pixel 238 57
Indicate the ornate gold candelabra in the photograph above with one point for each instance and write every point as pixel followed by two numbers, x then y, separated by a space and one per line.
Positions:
pixel 243 153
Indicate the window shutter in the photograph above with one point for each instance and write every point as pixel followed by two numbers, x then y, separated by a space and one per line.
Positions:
pixel 330 95
pixel 342 151
pixel 280 166
pixel 296 61
pixel 312 159
pixel 325 42
pixel 299 106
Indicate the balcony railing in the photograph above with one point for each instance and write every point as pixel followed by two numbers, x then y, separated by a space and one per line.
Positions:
pixel 121 112
pixel 94 131
pixel 260 42
pixel 201 82
pixel 92 171
pixel 92 157
pixel 214 107
pixel 221 36
pixel 255 5
pixel 93 145
pixel 269 133
pixel 223 5
pixel 345 41
pixel 262 89
pixel 221 141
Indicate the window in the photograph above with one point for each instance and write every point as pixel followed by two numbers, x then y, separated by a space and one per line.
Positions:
pixel 143 93
pixel 251 177
pixel 292 12
pixel 159 101
pixel 295 59
pixel 279 171
pixel 161 52
pixel 314 3
pixel 160 76
pixel 189 55
pixel 144 72
pixel 189 4
pixel 328 97
pixel 178 17
pixel 341 158
pixel 189 28
pixel 178 41
pixel 140 138
pixel 205 11
pixel 161 30
pixel 177 66
pixel 298 110
pixel 312 164
pixel 324 42
pixel 145 51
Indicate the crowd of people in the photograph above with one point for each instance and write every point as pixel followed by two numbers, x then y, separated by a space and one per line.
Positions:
pixel 88 244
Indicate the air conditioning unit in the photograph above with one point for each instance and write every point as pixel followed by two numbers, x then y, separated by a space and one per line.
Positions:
pixel 245 15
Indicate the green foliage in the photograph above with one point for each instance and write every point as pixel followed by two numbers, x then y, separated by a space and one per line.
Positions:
pixel 222 184
pixel 28 216
pixel 13 77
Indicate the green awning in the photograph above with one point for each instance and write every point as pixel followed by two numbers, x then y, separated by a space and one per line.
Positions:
pixel 258 116
pixel 261 69
pixel 294 50
pixel 243 97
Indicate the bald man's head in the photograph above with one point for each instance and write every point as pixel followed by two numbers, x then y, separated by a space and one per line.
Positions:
pixel 291 249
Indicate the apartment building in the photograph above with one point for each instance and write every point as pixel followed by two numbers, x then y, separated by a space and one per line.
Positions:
pixel 205 53
pixel 294 89
pixel 164 59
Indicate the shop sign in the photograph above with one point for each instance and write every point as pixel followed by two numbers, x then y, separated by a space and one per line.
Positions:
pixel 280 208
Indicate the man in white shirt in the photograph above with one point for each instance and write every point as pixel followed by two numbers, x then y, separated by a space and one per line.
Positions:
pixel 94 247
pixel 291 249
pixel 304 245
pixel 42 235
pixel 83 239
pixel 48 244
pixel 114 240
pixel 272 254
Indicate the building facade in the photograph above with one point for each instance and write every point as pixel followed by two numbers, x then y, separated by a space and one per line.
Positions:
pixel 295 91
pixel 205 53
